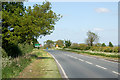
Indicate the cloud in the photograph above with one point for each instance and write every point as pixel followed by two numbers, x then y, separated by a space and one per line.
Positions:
pixel 98 29
pixel 102 10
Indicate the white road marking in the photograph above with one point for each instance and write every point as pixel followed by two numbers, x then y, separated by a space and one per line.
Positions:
pixel 101 67
pixel 88 62
pixel 97 59
pixel 65 76
pixel 116 72
pixel 75 58
pixel 70 56
pixel 92 63
pixel 80 59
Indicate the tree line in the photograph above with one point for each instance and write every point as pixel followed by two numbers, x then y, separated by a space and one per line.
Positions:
pixel 91 43
pixel 92 40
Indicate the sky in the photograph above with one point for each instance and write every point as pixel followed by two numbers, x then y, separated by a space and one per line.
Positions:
pixel 80 17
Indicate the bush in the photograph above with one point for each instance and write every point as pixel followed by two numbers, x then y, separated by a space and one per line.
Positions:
pixel 4 54
pixel 25 48
pixel 107 49
pixel 80 46
pixel 115 49
pixel 75 46
pixel 17 50
pixel 67 43
pixel 84 47
pixel 103 45
pixel 94 48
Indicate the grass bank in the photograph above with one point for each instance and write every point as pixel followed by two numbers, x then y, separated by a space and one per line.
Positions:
pixel 44 66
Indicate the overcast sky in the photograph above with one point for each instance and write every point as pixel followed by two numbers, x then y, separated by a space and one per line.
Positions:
pixel 80 17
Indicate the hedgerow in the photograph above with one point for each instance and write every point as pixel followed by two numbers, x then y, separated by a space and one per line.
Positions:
pixel 95 48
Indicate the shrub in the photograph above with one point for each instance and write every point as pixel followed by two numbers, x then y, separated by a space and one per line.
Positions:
pixel 6 61
pixel 67 43
pixel 4 54
pixel 103 45
pixel 115 49
pixel 108 49
pixel 25 48
pixel 94 48
pixel 75 46
pixel 12 69
pixel 98 44
pixel 110 44
pixel 83 47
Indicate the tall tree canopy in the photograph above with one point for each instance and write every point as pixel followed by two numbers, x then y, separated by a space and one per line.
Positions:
pixel 11 14
pixel 20 24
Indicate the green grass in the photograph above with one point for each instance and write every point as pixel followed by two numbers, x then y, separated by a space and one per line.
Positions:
pixel 99 54
pixel 43 67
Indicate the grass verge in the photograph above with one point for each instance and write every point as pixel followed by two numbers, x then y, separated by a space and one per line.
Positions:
pixel 114 56
pixel 17 65
pixel 43 67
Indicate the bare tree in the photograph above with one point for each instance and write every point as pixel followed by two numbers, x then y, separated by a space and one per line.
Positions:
pixel 92 38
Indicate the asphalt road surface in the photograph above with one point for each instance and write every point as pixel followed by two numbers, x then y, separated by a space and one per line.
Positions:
pixel 81 66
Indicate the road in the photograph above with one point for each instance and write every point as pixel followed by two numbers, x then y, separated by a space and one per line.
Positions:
pixel 81 66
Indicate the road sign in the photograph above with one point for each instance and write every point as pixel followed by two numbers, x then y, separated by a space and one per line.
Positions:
pixel 56 46
pixel 37 45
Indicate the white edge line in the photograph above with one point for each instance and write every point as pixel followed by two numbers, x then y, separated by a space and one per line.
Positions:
pixel 116 72
pixel 101 67
pixel 60 67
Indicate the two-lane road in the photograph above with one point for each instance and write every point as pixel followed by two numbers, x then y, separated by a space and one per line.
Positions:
pixel 80 66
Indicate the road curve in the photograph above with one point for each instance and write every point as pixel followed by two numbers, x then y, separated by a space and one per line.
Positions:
pixel 80 66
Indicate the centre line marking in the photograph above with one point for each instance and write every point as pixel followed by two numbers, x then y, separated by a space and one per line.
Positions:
pixel 75 58
pixel 80 59
pixel 101 67
pixel 88 62
pixel 116 72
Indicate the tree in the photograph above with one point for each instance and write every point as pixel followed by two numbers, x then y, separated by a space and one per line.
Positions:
pixel 11 12
pixel 60 43
pixel 92 38
pixel 67 43
pixel 40 20
pixel 103 45
pixel 23 25
pixel 49 43
pixel 110 44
